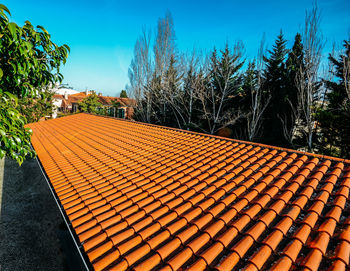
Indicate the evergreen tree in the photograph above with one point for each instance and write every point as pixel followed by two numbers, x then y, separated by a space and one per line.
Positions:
pixel 295 59
pixel 172 86
pixel 123 94
pixel 250 84
pixel 275 86
pixel 225 87
pixel 294 64
pixel 335 119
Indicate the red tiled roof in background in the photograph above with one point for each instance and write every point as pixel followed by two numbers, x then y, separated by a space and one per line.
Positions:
pixel 147 197
pixel 104 100
pixel 107 100
pixel 80 94
pixel 128 101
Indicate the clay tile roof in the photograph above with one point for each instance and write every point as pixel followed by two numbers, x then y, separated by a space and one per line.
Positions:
pixel 74 99
pixel 145 197
pixel 107 100
pixel 80 94
pixel 127 101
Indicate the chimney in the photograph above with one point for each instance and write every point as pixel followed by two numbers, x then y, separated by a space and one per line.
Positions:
pixel 65 95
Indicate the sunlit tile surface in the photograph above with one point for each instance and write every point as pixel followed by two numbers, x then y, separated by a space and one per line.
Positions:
pixel 147 197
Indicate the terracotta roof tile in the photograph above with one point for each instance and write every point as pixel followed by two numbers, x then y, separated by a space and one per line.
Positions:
pixel 145 197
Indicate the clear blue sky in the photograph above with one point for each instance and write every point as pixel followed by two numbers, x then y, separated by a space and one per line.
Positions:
pixel 102 33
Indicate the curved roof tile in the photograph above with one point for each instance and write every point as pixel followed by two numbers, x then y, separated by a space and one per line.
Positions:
pixel 147 197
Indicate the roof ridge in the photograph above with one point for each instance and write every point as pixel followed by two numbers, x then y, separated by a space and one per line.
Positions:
pixel 321 156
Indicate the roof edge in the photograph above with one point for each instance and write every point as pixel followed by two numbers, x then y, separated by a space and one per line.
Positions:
pixel 82 254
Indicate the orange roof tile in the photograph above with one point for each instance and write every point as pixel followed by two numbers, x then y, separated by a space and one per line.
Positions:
pixel 104 100
pixel 107 100
pixel 79 94
pixel 147 197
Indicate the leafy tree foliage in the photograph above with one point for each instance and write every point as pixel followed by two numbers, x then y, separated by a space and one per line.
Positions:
pixel 29 59
pixel 123 94
pixel 90 104
pixel 29 62
pixel 36 107
pixel 14 137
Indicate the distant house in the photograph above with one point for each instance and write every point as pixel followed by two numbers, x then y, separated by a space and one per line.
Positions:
pixel 125 109
pixel 69 103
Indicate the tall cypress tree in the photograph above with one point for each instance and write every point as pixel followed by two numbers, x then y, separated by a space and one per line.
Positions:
pixel 294 64
pixel 172 82
pixel 335 119
pixel 275 86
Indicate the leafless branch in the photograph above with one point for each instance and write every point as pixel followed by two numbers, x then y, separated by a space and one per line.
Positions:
pixel 307 76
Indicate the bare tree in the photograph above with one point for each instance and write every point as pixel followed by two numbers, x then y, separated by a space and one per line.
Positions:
pixel 290 131
pixel 164 46
pixel 328 72
pixel 172 91
pixel 346 72
pixel 219 86
pixel 182 99
pixel 164 49
pixel 258 105
pixel 140 71
pixel 307 78
pixel 189 96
